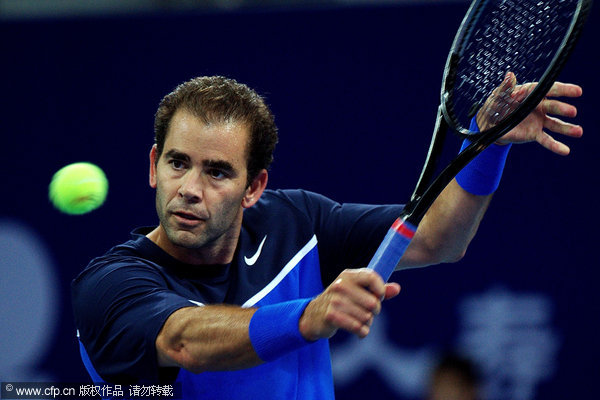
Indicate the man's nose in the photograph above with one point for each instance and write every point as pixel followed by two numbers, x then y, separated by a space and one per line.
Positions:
pixel 191 187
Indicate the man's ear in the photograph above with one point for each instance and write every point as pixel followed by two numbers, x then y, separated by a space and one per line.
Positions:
pixel 256 189
pixel 153 161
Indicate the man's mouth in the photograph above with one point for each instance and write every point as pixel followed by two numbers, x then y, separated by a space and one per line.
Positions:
pixel 184 216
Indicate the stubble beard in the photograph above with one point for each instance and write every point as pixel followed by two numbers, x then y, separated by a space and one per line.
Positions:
pixel 200 236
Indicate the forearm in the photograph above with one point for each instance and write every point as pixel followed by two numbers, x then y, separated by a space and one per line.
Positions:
pixel 223 337
pixel 447 228
pixel 208 338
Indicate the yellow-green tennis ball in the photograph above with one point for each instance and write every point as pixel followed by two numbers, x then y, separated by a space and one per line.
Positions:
pixel 78 188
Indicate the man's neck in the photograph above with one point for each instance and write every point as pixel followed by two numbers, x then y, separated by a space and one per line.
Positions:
pixel 219 251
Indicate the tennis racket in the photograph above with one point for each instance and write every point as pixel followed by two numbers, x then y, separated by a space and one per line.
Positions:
pixel 531 39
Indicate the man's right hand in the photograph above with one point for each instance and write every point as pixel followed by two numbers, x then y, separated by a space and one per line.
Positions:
pixel 350 303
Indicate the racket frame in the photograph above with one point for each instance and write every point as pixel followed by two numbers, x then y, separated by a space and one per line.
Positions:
pixel 428 188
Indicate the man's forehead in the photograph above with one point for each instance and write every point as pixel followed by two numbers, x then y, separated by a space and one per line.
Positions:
pixel 186 116
pixel 188 134
pixel 184 121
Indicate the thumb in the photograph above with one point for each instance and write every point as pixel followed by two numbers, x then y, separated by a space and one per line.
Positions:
pixel 391 290
pixel 509 82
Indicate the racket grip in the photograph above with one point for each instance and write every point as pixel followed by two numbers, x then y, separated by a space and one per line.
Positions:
pixel 392 248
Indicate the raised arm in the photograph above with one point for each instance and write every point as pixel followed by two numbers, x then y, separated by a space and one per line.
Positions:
pixel 452 221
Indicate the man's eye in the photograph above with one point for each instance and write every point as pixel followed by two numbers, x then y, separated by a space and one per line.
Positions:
pixel 217 174
pixel 176 164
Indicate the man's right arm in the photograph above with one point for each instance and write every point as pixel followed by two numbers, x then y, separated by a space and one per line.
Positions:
pixel 217 338
pixel 207 338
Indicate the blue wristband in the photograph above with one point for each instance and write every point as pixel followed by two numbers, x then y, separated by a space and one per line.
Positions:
pixel 274 329
pixel 482 175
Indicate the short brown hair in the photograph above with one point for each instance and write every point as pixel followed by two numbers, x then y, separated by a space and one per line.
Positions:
pixel 219 99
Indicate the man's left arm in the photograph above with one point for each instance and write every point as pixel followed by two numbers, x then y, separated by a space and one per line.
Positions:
pixel 452 221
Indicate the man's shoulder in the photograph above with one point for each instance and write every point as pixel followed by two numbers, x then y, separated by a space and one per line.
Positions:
pixel 131 253
pixel 298 200
pixel 133 250
pixel 277 210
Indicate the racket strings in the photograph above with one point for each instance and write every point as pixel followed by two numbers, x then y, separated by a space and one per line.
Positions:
pixel 510 36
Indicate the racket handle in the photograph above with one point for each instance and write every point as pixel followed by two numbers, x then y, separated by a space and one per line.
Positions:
pixel 392 248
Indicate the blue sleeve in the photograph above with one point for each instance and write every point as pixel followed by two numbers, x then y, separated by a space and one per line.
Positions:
pixel 348 234
pixel 119 308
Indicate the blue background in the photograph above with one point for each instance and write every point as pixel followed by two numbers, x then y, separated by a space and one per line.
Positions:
pixel 355 93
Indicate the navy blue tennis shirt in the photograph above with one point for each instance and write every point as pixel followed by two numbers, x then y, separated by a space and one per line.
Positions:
pixel 293 243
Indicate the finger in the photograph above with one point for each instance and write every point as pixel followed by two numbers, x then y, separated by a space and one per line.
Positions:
pixel 356 293
pixel 525 88
pixel 356 313
pixel 370 280
pixel 391 290
pixel 562 127
pixel 559 108
pixel 506 87
pixel 347 322
pixel 509 82
pixel 552 144
pixel 560 89
pixel 520 92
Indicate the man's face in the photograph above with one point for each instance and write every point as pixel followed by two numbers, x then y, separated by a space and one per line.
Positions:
pixel 200 181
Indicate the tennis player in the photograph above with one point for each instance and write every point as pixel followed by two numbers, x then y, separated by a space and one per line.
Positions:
pixel 236 291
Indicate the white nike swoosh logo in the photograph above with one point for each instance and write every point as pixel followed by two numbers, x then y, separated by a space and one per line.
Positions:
pixel 252 260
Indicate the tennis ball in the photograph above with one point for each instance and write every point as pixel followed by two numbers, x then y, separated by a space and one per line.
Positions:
pixel 78 188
